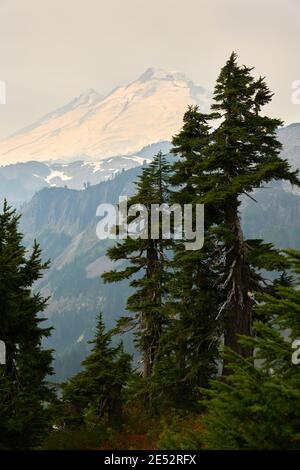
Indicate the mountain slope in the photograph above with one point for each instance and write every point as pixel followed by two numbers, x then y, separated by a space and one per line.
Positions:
pixel 91 127
pixel 289 136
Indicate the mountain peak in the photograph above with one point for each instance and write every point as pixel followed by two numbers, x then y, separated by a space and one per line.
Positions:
pixel 147 111
pixel 153 73
pixel 89 96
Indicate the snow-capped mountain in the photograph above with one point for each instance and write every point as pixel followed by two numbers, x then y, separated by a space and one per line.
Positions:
pixel 93 127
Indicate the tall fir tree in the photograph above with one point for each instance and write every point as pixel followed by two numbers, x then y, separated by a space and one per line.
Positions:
pixel 24 391
pixel 242 156
pixel 146 263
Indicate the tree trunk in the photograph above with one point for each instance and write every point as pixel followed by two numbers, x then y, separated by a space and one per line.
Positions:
pixel 151 324
pixel 239 302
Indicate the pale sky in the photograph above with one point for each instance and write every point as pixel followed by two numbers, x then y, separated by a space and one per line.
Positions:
pixel 53 50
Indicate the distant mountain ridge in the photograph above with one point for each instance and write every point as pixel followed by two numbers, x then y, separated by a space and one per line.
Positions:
pixel 20 181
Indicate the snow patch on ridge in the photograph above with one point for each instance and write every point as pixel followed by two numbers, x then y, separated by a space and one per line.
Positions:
pixel 56 174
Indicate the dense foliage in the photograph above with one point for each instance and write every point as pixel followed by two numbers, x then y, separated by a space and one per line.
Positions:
pixel 258 406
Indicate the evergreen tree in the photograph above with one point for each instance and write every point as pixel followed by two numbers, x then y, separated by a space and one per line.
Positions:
pixel 146 263
pixel 243 155
pixel 24 391
pixel 189 346
pixel 97 391
pixel 258 406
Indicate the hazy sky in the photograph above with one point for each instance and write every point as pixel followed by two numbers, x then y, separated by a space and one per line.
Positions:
pixel 53 50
